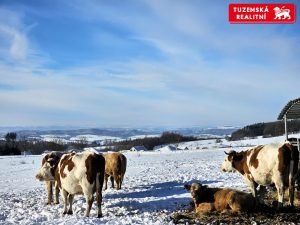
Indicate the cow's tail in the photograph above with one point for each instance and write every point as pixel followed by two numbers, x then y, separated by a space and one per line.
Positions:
pixel 100 173
pixel 99 181
pixel 293 164
pixel 293 170
pixel 119 167
pixel 291 173
pixel 124 165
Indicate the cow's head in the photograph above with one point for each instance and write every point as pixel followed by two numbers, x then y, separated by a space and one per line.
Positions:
pixel 228 163
pixel 197 190
pixel 47 171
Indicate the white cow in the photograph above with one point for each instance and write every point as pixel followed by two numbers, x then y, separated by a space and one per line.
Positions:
pixel 265 165
pixel 81 173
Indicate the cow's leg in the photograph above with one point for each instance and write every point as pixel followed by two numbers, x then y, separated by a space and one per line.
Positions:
pixel 56 193
pixel 99 201
pixel 280 190
pixel 253 187
pixel 292 191
pixel 105 181
pixel 118 180
pixel 291 195
pixel 89 200
pixel 71 198
pixel 112 181
pixel 64 194
pixel 99 185
pixel 122 178
pixel 293 173
pixel 49 191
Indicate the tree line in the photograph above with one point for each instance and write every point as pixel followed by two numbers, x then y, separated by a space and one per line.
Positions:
pixel 11 145
pixel 151 142
pixel 270 129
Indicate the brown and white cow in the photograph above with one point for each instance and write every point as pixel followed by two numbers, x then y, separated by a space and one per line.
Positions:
pixel 222 200
pixel 52 156
pixel 266 165
pixel 77 173
pixel 115 167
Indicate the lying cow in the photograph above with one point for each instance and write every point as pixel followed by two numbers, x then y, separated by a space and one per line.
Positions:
pixel 52 156
pixel 81 173
pixel 266 165
pixel 115 167
pixel 222 200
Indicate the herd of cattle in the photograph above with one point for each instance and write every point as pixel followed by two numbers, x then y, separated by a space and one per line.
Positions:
pixel 81 173
pixel 86 172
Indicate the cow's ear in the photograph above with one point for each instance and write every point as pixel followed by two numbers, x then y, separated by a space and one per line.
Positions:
pixel 57 158
pixel 51 162
pixel 204 187
pixel 187 187
pixel 238 156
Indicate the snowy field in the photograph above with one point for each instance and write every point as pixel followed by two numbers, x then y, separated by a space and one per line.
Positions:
pixel 152 189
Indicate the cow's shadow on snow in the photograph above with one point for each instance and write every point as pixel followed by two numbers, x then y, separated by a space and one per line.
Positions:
pixel 154 197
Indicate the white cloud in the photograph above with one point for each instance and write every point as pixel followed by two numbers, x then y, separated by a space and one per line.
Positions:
pixel 14 42
pixel 18 46
pixel 145 94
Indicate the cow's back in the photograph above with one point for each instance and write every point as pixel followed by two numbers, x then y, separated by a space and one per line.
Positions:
pixel 232 199
pixel 78 169
pixel 115 163
pixel 268 162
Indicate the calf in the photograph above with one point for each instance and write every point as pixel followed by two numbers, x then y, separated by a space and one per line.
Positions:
pixel 222 200
pixel 52 156
pixel 266 165
pixel 115 167
pixel 81 173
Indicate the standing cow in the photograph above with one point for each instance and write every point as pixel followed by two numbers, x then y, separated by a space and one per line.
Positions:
pixel 265 165
pixel 81 173
pixel 115 167
pixel 52 156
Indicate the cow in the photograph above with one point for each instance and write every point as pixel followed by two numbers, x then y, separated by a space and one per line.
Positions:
pixel 52 156
pixel 77 173
pixel 208 199
pixel 115 167
pixel 271 164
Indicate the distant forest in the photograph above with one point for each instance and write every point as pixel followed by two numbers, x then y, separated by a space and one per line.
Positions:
pixel 270 129
pixel 151 142
pixel 11 145
pixel 15 146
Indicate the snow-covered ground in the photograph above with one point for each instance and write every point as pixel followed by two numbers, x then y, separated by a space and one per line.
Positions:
pixel 152 189
pixel 143 136
pixel 222 143
pixel 91 138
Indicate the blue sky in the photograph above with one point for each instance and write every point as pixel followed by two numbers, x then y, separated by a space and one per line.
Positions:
pixel 137 63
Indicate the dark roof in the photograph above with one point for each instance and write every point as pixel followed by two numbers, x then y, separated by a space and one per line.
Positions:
pixel 291 110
